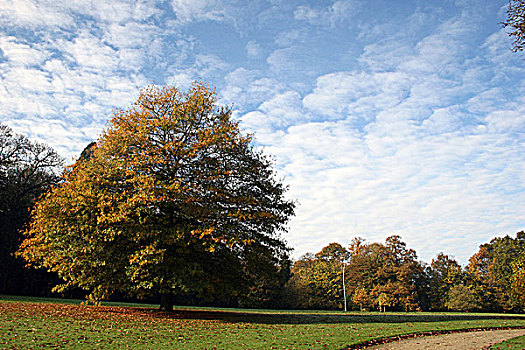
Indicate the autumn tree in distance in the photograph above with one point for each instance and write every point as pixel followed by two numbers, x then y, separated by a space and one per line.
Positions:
pixel 172 199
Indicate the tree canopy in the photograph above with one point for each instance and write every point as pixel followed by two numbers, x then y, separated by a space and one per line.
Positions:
pixel 516 23
pixel 172 199
pixel 377 275
pixel 27 169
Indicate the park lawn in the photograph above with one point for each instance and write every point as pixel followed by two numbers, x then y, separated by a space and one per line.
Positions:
pixel 33 323
pixel 517 343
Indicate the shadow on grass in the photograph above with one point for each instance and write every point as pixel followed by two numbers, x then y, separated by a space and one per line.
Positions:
pixel 69 306
pixel 307 318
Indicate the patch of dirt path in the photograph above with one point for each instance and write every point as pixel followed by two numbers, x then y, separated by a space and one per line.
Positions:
pixel 457 341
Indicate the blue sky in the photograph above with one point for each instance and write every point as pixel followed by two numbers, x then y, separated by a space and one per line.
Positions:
pixel 384 117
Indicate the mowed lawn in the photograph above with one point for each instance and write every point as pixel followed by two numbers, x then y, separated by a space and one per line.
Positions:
pixel 37 323
pixel 517 343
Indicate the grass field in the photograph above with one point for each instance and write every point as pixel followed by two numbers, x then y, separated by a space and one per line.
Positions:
pixel 53 323
pixel 511 344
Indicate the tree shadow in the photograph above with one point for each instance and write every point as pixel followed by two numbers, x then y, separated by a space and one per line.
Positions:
pixel 320 318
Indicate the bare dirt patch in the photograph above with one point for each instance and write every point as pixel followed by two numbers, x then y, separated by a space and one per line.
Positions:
pixel 457 341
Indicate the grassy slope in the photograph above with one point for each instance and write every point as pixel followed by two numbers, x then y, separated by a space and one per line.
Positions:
pixel 44 322
pixel 517 343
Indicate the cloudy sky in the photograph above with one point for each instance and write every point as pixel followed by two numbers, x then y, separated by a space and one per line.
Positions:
pixel 385 117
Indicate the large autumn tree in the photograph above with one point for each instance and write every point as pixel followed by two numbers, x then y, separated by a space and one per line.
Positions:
pixel 172 199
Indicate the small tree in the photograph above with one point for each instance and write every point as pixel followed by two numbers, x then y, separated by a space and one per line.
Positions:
pixel 384 300
pixel 361 298
pixel 173 199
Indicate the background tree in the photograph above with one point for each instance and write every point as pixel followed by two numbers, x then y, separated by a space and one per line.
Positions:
pixel 490 271
pixel 385 299
pixel 27 169
pixel 363 267
pixel 518 278
pixel 301 289
pixel 172 200
pixel 445 272
pixel 333 252
pixel 361 298
pixel 390 269
pixel 390 276
pixel 332 260
pixel 516 23
pixel 317 280
pixel 462 298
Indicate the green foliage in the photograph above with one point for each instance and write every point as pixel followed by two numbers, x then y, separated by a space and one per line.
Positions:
pixel 316 283
pixel 462 298
pixel 172 199
pixel 445 273
pixel 518 278
pixel 490 271
pixel 373 270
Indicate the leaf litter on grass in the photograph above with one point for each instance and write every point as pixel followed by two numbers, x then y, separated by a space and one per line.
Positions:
pixel 86 327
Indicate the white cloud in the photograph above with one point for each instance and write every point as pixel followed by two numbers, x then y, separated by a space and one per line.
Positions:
pixel 291 37
pixel 246 88
pixel 335 14
pixel 199 10
pixel 204 68
pixel 64 13
pixel 130 35
pixel 509 120
pixel 33 14
pixel 282 61
pixel 68 141
pixel 22 54
pixel 443 120
pixel 425 189
pixel 29 79
pixel 340 94
pixel 253 49
pixel 90 52
pixel 305 12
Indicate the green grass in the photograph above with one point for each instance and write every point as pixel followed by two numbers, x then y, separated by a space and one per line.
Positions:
pixel 517 343
pixel 54 323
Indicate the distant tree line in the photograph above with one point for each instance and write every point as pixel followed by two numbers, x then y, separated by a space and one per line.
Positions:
pixel 389 277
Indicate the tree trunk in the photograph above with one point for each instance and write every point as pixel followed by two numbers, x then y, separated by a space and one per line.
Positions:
pixel 166 302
